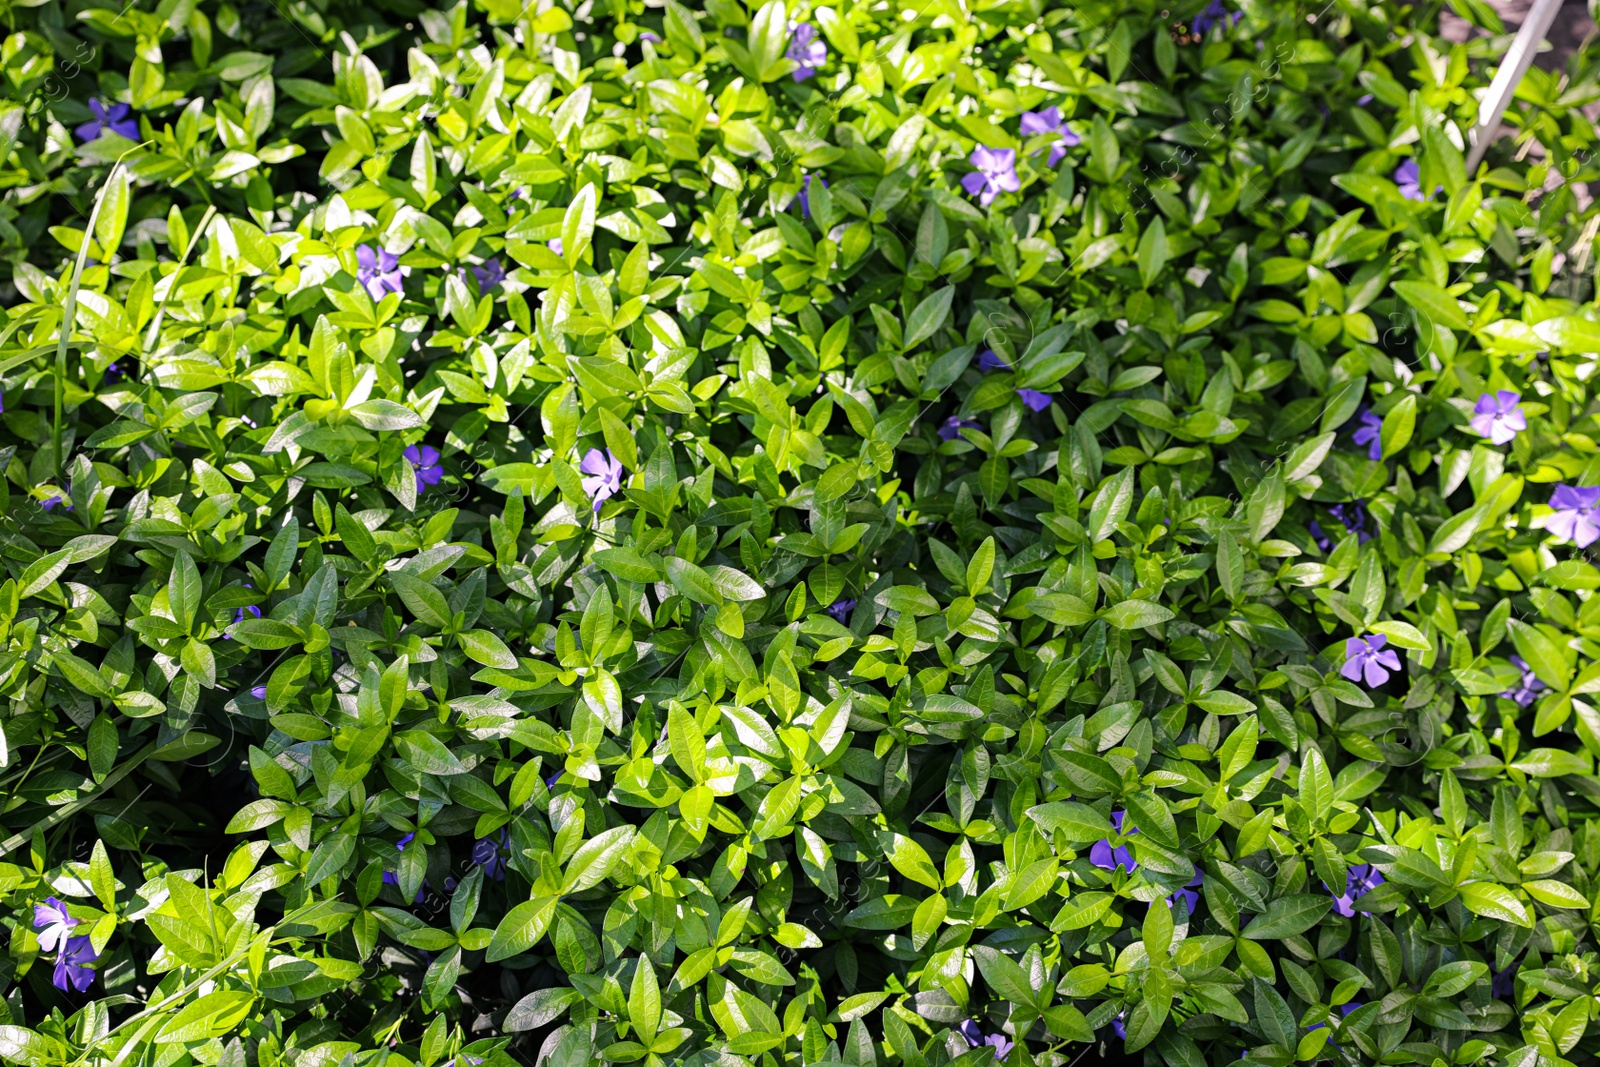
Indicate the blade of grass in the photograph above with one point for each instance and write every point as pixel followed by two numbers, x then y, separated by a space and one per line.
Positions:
pixel 69 307
pixel 194 239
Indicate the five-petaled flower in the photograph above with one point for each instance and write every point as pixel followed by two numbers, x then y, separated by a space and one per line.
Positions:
pixel 1408 176
pixel 840 610
pixel 1318 537
pixel 1189 894
pixel 996 173
pixel 976 1038
pixel 118 119
pixel 1576 518
pixel 954 425
pixel 72 966
pixel 489 853
pixel 1035 400
pixel 1366 658
pixel 238 615
pixel 380 271
pixel 1344 1010
pixel 1499 417
pixel 805 194
pixel 1214 13
pixel 807 51
pixel 605 475
pixel 1529 688
pixel 1049 121
pixel 1368 432
pixel 1104 856
pixel 1353 514
pixel 424 460
pixel 489 274
pixel 1504 983
pixel 53 923
pixel 1360 880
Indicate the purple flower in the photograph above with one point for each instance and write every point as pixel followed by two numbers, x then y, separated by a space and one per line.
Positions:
pixel 389 876
pixel 490 274
pixel 487 852
pixel 1365 657
pixel 380 271
pixel 987 360
pixel 651 36
pixel 807 51
pixel 1118 1027
pixel 119 120
pixel 954 425
pixel 1320 539
pixel 2 402
pixel 554 244
pixel 1049 121
pixel 1408 176
pixel 1035 400
pixel 550 782
pixel 53 923
pixel 114 373
pixel 1188 894
pixel 976 1038
pixel 1528 690
pixel 72 966
pixel 1359 881
pixel 840 610
pixel 1363 100
pixel 1102 855
pixel 1353 514
pixel 238 615
pixel 805 194
pixel 424 460
pixel 996 173
pixel 1367 433
pixel 1575 519
pixel 1498 416
pixel 1503 984
pixel 1344 1010
pixel 52 502
pixel 259 692
pixel 1214 13
pixel 605 475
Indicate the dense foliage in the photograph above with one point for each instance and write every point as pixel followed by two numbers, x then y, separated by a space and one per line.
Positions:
pixel 863 534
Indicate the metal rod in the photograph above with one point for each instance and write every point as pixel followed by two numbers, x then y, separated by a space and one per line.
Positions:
pixel 1517 60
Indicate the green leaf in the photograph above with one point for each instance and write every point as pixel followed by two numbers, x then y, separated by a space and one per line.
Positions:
pixel 1433 304
pixel 1289 915
pixel 521 928
pixel 1135 614
pixel 1153 252
pixel 1495 902
pixel 929 315
pixel 1395 431
pixel 487 649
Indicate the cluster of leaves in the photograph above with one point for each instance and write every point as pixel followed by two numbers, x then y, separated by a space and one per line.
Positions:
pixel 554 533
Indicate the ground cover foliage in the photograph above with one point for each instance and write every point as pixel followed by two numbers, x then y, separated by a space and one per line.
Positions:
pixel 856 534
